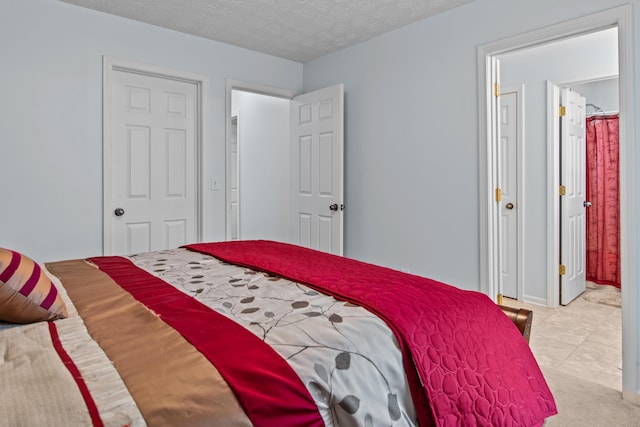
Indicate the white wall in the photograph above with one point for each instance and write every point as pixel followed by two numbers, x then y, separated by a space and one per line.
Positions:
pixel 603 93
pixel 411 142
pixel 589 57
pixel 263 138
pixel 411 135
pixel 50 116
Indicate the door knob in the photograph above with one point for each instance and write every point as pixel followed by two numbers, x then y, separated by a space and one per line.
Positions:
pixel 119 212
pixel 509 206
pixel 587 204
pixel 334 207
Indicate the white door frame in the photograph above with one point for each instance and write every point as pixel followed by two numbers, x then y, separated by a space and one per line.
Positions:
pixel 229 229
pixel 553 196
pixel 246 87
pixel 621 17
pixel 111 64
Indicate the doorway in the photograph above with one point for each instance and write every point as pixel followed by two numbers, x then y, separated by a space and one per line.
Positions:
pixel 601 91
pixel 619 17
pixel 523 66
pixel 258 159
pixel 593 56
pixel 289 170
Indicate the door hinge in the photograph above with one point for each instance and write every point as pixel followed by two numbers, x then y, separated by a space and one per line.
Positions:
pixel 496 89
pixel 563 111
pixel 498 195
pixel 562 269
pixel 563 190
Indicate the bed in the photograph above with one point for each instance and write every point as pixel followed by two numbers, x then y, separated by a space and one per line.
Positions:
pixel 256 333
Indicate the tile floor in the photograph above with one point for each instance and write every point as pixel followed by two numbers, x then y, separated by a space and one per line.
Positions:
pixel 583 339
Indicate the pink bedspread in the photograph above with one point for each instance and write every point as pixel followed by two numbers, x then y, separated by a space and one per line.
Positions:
pixel 466 361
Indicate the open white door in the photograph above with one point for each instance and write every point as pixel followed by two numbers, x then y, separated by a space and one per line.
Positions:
pixel 317 169
pixel 572 196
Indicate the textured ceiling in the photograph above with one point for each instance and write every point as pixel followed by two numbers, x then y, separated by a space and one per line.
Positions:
pixel 299 30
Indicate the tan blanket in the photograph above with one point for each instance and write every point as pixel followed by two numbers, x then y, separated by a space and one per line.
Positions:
pixel 171 382
pixel 160 380
pixel 37 389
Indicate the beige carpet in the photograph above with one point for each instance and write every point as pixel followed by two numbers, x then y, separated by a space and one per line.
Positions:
pixel 582 403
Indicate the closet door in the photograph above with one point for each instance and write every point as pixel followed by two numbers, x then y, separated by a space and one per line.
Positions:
pixel 150 163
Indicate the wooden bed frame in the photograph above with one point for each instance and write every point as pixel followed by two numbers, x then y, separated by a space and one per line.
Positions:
pixel 522 319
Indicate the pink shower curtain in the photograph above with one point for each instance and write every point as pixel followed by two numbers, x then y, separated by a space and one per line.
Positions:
pixel 603 217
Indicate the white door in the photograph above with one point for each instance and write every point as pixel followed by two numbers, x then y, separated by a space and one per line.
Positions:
pixel 509 207
pixel 573 185
pixel 150 163
pixel 317 169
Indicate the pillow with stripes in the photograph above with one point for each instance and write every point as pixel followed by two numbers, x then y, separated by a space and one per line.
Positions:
pixel 26 293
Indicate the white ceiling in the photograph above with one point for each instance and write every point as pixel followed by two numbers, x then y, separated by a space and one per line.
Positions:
pixel 299 30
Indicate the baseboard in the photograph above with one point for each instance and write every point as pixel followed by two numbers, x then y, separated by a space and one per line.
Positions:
pixel 535 300
pixel 631 397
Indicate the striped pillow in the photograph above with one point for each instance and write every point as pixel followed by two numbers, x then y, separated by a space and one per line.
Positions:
pixel 26 293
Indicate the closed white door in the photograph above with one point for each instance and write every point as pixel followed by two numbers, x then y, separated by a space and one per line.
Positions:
pixel 150 164
pixel 317 169
pixel 573 185
pixel 509 186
